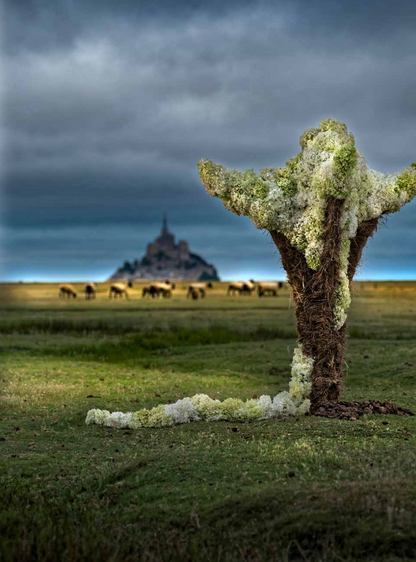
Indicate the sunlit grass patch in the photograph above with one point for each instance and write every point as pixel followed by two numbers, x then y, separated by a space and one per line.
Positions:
pixel 298 489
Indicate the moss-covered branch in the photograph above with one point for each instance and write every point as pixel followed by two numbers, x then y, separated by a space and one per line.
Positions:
pixel 292 200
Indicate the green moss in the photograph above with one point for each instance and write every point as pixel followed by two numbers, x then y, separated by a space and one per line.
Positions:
pixel 292 164
pixel 282 177
pixel 339 191
pixel 260 189
pixel 313 261
pixel 333 125
pixel 344 254
pixel 307 235
pixel 345 160
pixel 288 186
pixel 216 179
pixel 323 187
pixel 252 185
pixel 324 143
pixel 206 170
pixel 307 136
pixel 315 227
pixel 342 302
pixel 366 186
pixel 406 181
pixel 286 183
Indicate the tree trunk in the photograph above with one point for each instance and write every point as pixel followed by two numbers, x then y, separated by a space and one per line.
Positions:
pixel 314 293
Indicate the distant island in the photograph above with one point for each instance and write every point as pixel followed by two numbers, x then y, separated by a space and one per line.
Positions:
pixel 166 260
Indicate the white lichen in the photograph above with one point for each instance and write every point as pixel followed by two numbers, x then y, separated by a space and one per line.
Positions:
pixel 203 408
pixel 292 200
pixel 300 384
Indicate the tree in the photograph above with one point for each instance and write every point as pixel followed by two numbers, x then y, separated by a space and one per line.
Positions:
pixel 320 209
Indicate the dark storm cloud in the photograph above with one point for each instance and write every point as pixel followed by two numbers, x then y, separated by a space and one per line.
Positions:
pixel 109 105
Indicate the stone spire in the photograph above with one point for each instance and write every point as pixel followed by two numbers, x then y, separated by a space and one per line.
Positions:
pixel 165 224
pixel 166 239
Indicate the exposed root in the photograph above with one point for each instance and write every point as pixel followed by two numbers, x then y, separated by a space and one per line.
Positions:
pixel 354 410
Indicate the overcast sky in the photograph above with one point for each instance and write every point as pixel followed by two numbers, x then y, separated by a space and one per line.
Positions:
pixel 108 105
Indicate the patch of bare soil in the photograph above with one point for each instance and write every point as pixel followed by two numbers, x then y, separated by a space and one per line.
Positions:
pixel 354 410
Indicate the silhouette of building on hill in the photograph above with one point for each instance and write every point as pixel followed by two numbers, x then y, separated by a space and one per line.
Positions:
pixel 166 260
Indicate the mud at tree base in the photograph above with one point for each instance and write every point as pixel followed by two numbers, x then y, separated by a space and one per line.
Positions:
pixel 354 410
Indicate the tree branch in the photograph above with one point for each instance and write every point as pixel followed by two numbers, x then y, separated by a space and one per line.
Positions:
pixel 364 232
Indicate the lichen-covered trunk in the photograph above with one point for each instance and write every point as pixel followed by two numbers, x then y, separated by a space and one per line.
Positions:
pixel 314 294
pixel 322 341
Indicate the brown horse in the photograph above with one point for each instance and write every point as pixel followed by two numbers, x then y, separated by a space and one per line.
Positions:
pixel 118 290
pixel 67 290
pixel 90 291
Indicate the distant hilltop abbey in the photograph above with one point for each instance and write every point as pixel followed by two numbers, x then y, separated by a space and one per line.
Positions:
pixel 166 260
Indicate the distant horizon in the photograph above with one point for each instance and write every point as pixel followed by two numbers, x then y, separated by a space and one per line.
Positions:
pixel 222 280
pixel 255 258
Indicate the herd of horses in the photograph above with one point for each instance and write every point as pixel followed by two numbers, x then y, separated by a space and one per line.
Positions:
pixel 264 289
pixel 164 290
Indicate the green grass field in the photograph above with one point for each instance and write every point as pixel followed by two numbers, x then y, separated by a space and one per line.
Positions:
pixel 299 489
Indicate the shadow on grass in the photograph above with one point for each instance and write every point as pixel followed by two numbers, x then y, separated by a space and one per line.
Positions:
pixel 141 344
pixel 349 522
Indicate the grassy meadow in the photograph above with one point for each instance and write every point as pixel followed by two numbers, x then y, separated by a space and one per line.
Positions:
pixel 298 489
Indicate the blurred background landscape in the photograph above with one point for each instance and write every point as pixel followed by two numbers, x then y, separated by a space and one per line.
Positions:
pixel 108 106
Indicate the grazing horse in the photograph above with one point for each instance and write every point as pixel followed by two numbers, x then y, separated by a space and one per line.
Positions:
pixel 150 291
pixel 67 290
pixel 234 288
pixel 241 288
pixel 267 289
pixel 200 288
pixel 248 287
pixel 158 290
pixel 90 291
pixel 118 290
pixel 162 289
